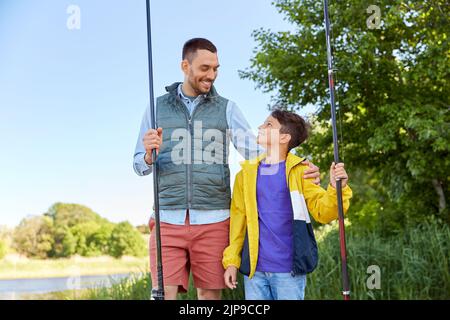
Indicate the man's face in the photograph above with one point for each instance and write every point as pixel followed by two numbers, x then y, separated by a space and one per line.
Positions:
pixel 202 71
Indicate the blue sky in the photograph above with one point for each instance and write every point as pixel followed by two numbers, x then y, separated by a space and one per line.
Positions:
pixel 71 101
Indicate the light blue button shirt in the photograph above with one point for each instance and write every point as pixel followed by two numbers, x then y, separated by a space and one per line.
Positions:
pixel 242 138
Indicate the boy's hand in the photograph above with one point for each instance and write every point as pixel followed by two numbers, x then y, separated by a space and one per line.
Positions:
pixel 230 277
pixel 312 172
pixel 337 172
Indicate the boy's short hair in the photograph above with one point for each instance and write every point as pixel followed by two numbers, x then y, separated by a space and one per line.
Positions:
pixel 293 124
pixel 191 46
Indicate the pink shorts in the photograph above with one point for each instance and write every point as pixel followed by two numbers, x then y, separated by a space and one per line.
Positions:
pixel 190 248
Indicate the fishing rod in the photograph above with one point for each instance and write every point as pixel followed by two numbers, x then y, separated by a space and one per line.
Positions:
pixel 157 293
pixel 343 249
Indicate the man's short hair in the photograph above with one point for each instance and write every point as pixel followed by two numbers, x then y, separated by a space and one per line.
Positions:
pixel 191 46
pixel 293 124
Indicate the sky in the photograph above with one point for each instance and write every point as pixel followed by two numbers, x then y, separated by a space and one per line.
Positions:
pixel 72 99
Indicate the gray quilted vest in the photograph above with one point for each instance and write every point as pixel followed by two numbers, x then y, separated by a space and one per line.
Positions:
pixel 193 160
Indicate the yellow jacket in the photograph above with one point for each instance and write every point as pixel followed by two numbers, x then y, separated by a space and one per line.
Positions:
pixel 306 197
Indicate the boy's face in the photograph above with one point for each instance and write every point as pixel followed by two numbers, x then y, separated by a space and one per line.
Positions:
pixel 269 133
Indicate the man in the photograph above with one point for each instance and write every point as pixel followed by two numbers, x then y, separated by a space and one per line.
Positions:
pixel 195 125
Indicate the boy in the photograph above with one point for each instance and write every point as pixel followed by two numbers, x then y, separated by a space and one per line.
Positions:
pixel 271 239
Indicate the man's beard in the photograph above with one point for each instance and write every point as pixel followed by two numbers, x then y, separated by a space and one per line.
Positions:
pixel 197 86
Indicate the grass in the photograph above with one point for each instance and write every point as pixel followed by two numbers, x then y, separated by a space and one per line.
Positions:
pixel 13 268
pixel 414 265
pixel 138 287
pixel 60 295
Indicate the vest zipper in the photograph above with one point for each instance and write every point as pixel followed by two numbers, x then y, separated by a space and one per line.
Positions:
pixel 189 166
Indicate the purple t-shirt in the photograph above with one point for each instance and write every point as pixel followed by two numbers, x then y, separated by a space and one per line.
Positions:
pixel 275 219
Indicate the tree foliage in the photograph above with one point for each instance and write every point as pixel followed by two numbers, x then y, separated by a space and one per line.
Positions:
pixel 2 249
pixel 126 240
pixel 33 237
pixel 392 91
pixel 69 229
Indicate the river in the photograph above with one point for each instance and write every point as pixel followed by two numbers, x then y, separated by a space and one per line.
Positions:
pixel 15 289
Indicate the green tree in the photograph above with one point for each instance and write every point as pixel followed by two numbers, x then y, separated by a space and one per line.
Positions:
pixel 393 97
pixel 3 249
pixel 34 237
pixel 69 214
pixel 143 228
pixel 78 230
pixel 5 240
pixel 99 239
pixel 126 240
pixel 68 244
pixel 92 238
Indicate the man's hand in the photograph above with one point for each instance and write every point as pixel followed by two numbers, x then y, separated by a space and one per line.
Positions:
pixel 312 172
pixel 152 140
pixel 230 277
pixel 337 172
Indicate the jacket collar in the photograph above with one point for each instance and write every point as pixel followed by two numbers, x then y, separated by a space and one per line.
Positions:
pixel 251 165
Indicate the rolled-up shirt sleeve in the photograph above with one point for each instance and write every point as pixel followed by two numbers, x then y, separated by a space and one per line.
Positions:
pixel 241 135
pixel 139 165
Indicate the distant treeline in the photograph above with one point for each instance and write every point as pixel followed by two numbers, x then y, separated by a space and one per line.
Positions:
pixel 72 229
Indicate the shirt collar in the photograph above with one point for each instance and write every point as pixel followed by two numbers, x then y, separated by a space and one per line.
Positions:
pixel 182 96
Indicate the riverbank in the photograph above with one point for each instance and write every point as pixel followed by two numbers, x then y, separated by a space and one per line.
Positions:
pixel 66 288
pixel 58 295
pixel 413 265
pixel 18 267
